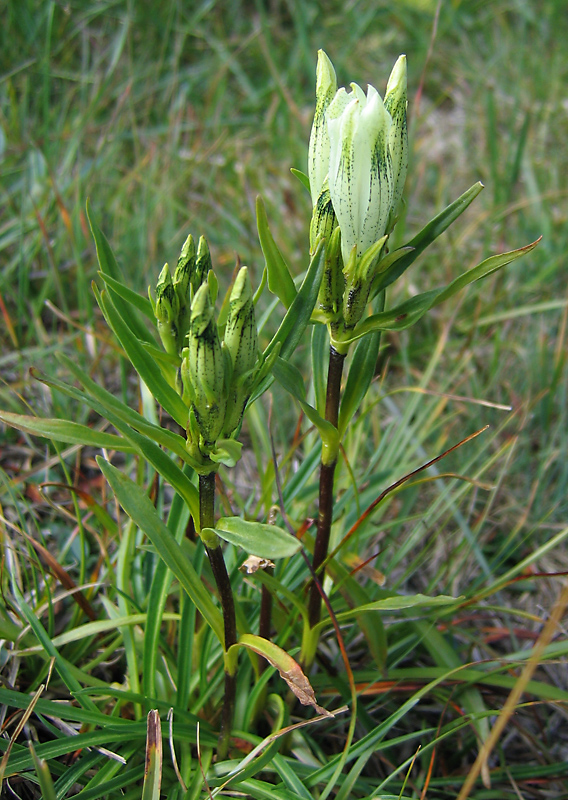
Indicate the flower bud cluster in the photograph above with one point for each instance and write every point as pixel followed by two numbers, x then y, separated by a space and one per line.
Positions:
pixel 172 306
pixel 357 165
pixel 217 375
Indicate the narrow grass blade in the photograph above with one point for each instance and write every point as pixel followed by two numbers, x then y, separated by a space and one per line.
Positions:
pixel 153 764
pixel 43 776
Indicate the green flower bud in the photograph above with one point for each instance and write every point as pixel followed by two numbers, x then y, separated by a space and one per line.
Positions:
pixel 240 342
pixel 202 264
pixel 240 330
pixel 183 277
pixel 395 104
pixel 184 270
pixel 166 310
pixel 204 368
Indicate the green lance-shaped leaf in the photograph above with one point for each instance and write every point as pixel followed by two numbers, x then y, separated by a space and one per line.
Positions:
pixel 393 603
pixel 143 304
pixel 361 373
pixel 166 310
pixel 280 280
pixel 257 538
pixel 140 509
pixel 427 235
pixel 409 312
pixel 295 321
pixel 66 431
pixel 205 367
pixel 302 177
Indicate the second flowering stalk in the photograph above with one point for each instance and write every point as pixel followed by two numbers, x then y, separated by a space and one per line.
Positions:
pixel 216 377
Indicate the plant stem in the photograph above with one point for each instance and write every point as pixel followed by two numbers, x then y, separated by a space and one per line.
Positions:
pixel 327 472
pixel 221 576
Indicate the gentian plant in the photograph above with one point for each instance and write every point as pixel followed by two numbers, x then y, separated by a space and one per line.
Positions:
pixel 205 368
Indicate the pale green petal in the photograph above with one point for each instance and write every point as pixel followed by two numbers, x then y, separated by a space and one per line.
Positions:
pixel 376 191
pixel 343 179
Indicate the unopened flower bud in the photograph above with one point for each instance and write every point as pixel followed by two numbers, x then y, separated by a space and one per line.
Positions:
pixel 183 276
pixel 166 310
pixel 395 104
pixel 204 367
pixel 202 264
pixel 240 342
pixel 240 330
pixel 318 153
pixel 184 270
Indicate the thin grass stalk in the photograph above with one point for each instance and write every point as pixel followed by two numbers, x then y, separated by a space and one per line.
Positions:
pixel 327 473
pixel 223 583
pixel 265 618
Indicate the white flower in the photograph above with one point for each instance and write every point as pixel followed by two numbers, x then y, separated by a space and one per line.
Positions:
pixel 360 177
pixel 360 145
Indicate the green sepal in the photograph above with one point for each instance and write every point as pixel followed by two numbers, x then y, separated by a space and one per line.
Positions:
pixel 280 280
